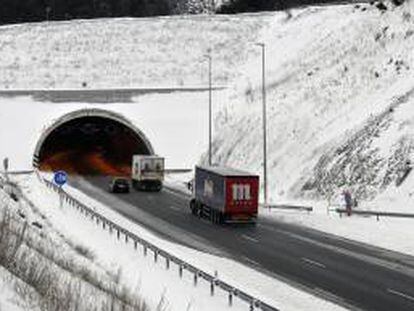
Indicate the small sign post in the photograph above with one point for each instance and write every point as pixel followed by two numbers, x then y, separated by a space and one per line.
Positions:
pixel 6 167
pixel 60 178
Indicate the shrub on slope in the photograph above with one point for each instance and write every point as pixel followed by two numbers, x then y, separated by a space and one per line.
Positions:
pixel 53 278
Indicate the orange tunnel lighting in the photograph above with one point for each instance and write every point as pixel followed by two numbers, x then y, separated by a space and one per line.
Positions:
pixel 91 146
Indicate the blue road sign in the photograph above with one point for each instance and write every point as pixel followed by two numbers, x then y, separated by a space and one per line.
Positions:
pixel 60 178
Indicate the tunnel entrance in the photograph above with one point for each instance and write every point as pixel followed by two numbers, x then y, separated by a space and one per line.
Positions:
pixel 91 143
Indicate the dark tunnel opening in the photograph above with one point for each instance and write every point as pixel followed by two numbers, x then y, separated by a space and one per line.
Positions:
pixel 91 146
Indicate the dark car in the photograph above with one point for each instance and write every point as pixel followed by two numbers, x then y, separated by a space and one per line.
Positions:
pixel 119 184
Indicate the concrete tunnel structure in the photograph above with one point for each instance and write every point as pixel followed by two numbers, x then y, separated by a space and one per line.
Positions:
pixel 90 142
pixel 172 125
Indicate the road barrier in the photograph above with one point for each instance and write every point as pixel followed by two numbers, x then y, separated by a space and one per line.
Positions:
pixel 341 211
pixel 213 280
pixel 17 172
pixel 291 207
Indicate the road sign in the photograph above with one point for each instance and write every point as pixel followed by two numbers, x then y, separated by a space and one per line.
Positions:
pixel 60 178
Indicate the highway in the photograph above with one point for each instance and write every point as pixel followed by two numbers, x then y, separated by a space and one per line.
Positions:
pixel 354 275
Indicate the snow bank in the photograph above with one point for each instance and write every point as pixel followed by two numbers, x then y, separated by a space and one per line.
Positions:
pixel 125 52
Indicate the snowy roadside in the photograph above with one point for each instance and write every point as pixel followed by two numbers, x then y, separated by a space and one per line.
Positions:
pixel 10 300
pixel 154 280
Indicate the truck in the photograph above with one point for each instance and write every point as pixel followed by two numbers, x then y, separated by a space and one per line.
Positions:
pixel 147 172
pixel 225 195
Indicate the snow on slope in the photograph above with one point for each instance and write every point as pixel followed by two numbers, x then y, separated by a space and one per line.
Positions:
pixel 110 53
pixel 9 300
pixel 339 102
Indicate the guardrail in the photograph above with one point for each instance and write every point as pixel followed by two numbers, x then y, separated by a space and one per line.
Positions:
pixel 291 207
pixel 17 172
pixel 341 211
pixel 232 291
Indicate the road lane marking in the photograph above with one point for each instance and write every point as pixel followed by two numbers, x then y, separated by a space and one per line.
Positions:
pixel 385 263
pixel 251 261
pixel 313 262
pixel 406 296
pixel 249 238
pixel 182 196
pixel 175 208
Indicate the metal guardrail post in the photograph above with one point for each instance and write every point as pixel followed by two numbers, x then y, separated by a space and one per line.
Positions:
pixel 195 278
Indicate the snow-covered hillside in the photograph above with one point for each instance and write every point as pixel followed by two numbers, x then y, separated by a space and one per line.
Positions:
pixel 340 102
pixel 110 53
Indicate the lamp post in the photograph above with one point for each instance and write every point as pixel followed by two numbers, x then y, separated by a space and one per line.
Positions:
pixel 210 61
pixel 212 7
pixel 263 47
pixel 48 9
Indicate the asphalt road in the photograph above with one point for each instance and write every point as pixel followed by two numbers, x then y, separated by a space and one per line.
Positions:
pixel 352 274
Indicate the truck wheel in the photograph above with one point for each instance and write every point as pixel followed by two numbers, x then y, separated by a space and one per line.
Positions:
pixel 216 217
pixel 193 207
pixel 220 218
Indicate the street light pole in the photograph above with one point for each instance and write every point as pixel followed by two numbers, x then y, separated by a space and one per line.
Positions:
pixel 210 134
pixel 263 47
pixel 48 9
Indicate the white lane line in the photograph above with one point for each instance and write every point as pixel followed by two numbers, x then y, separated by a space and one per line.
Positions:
pixel 249 238
pixel 313 262
pixel 251 261
pixel 175 208
pixel 406 296
pixel 180 195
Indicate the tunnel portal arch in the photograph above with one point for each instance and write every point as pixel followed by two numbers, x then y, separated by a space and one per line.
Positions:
pixel 58 134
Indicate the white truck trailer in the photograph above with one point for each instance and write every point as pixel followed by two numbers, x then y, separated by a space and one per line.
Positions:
pixel 147 172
